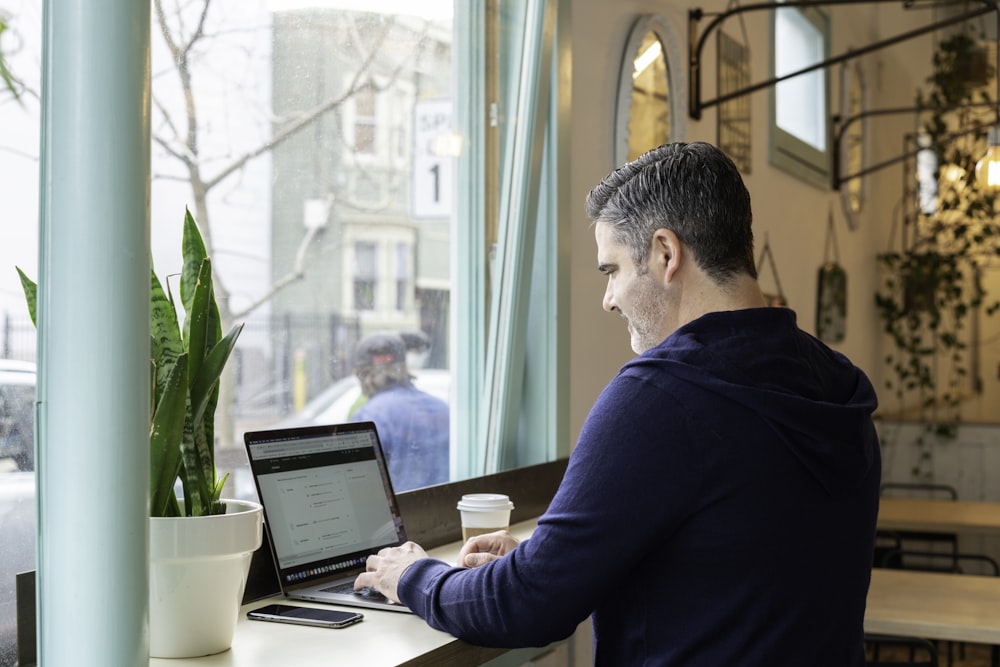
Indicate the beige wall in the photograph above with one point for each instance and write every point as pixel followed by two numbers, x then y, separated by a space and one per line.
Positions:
pixel 790 212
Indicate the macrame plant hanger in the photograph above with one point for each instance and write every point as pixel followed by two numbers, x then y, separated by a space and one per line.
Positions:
pixel 831 291
pixel 778 299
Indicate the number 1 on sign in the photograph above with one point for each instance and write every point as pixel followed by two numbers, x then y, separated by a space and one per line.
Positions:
pixel 436 173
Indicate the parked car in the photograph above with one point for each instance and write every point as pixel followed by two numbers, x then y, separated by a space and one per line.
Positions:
pixel 17 414
pixel 17 492
pixel 333 404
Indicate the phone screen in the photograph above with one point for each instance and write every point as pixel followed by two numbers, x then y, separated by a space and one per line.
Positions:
pixel 285 613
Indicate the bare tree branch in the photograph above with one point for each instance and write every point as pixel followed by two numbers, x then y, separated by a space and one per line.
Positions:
pixel 310 117
pixel 14 85
pixel 179 139
pixel 188 153
pixel 297 273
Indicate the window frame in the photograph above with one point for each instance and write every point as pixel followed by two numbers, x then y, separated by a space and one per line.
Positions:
pixel 509 282
pixel 549 316
pixel 362 278
pixel 786 151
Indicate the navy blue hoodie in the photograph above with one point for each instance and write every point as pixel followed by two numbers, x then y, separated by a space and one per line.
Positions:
pixel 719 509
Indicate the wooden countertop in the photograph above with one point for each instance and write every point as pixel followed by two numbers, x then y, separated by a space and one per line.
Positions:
pixel 958 607
pixel 949 516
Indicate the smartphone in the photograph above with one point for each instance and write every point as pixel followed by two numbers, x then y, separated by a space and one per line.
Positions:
pixel 286 613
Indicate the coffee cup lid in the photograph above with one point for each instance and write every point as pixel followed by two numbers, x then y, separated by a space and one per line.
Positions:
pixel 485 502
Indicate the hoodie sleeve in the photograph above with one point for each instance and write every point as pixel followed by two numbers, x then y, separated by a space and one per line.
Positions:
pixel 586 543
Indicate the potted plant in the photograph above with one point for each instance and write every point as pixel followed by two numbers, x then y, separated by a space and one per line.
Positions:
pixel 932 287
pixel 200 545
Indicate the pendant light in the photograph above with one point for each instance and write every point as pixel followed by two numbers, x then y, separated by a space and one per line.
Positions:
pixel 988 168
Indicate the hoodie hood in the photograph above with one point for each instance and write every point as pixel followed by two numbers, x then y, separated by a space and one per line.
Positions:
pixel 816 401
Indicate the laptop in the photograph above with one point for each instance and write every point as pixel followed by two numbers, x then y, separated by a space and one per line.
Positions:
pixel 328 504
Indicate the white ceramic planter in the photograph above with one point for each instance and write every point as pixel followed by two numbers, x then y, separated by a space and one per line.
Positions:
pixel 197 574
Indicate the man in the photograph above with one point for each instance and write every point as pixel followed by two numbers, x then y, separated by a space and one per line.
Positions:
pixel 413 425
pixel 719 507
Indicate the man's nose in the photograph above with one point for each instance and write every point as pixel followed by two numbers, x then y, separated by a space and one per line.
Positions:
pixel 609 301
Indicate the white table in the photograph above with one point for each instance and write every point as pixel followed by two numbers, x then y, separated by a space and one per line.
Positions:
pixel 383 639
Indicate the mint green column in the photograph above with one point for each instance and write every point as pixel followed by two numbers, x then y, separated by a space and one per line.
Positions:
pixel 93 312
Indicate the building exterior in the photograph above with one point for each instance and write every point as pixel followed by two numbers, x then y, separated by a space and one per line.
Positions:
pixel 376 257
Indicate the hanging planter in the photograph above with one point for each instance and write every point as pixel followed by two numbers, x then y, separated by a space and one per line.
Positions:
pixel 831 292
pixel 932 286
pixel 776 299
pixel 963 61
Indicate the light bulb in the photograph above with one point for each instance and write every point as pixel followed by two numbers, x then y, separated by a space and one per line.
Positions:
pixel 988 168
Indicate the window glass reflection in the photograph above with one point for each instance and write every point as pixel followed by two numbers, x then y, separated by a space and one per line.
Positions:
pixel 649 114
pixel 800 105
pixel 314 144
pixel 314 210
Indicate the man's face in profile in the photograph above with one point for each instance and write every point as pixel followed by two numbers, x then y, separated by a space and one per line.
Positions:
pixel 635 292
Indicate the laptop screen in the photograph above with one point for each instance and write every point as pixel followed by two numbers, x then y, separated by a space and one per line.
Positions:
pixel 327 499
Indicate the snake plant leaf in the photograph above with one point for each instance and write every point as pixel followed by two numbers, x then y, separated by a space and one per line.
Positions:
pixel 165 434
pixel 30 294
pixel 204 468
pixel 173 507
pixel 193 252
pixel 204 386
pixel 165 333
pixel 186 364
pixel 217 506
pixel 213 327
pixel 195 471
pixel 197 323
pixel 208 352
pixel 205 393
pixel 199 453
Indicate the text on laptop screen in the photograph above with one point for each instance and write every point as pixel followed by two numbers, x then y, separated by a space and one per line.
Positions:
pixel 325 500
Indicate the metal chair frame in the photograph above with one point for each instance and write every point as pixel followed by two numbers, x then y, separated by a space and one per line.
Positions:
pixel 915 645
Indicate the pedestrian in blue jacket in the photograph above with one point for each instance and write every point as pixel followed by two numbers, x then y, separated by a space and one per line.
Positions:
pixel 413 426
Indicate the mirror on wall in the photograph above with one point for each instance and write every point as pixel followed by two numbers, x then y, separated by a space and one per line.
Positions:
pixel 852 146
pixel 648 113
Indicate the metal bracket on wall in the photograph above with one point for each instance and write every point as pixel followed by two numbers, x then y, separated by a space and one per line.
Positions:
pixel 841 125
pixel 696 44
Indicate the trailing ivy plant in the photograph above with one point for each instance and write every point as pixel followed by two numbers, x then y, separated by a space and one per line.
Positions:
pixel 933 284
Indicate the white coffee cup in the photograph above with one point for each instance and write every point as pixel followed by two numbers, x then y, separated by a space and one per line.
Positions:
pixel 484 513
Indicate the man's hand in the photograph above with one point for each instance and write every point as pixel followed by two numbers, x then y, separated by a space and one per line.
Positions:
pixel 385 568
pixel 481 549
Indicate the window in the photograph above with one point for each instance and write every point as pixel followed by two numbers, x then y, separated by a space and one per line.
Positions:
pixel 402 276
pixel 365 275
pixel 800 104
pixel 364 122
pixel 400 126
pixel 287 100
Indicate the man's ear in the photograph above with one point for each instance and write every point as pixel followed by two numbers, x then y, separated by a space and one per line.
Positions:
pixel 666 253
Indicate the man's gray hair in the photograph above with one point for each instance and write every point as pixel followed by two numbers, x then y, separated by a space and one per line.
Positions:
pixel 693 190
